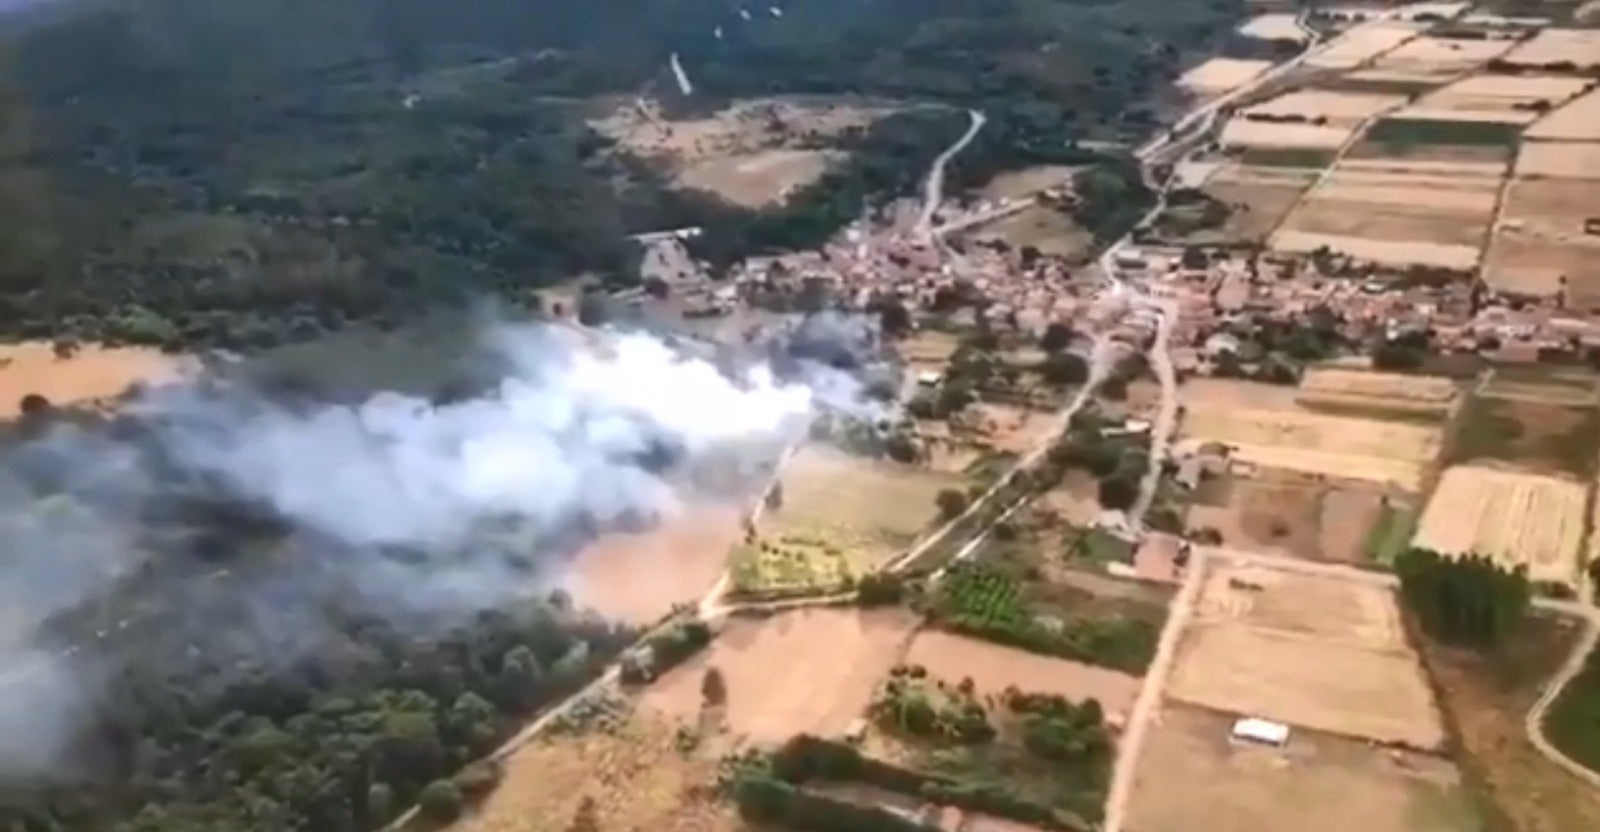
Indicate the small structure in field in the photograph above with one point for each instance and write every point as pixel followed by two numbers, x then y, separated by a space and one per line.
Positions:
pixel 1260 732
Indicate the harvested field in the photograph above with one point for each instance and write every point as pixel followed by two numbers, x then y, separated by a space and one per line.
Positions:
pixel 1344 108
pixel 1375 392
pixel 1577 120
pixel 1280 512
pixel 1221 392
pixel 1312 651
pixel 1440 59
pixel 1572 388
pixel 1380 214
pixel 756 179
pixel 1337 446
pixel 91 373
pixel 1518 519
pixel 1241 133
pixel 1361 44
pixel 1559 160
pixel 1511 99
pixel 635 776
pixel 1486 698
pixel 1191 777
pixel 1527 433
pixel 871 509
pixel 1348 518
pixel 1280 26
pixel 1220 75
pixel 1541 239
pixel 807 671
pixel 994 667
pixel 1578 47
pixel 637 578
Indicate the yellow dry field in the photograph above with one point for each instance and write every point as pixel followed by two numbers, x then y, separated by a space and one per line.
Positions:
pixel 872 509
pixel 1579 47
pixel 1541 239
pixel 1517 518
pixel 639 577
pixel 1245 133
pixel 1393 453
pixel 1192 778
pixel 1509 99
pixel 1578 120
pixel 1259 197
pixel 1559 160
pixel 1220 75
pixel 634 775
pixel 761 178
pixel 1397 214
pixel 1440 59
pixel 1314 651
pixel 994 667
pixel 1335 387
pixel 1344 108
pixel 92 373
pixel 1277 26
pixel 806 671
pixel 1361 44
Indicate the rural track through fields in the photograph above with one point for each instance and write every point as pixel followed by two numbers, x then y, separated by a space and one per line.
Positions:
pixel 933 189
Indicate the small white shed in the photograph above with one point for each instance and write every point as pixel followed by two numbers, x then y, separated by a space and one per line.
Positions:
pixel 1260 731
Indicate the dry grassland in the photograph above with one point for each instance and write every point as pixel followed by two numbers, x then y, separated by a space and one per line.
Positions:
pixel 1397 214
pixel 1028 181
pixel 1344 108
pixel 1280 26
pixel 1390 453
pixel 806 671
pixel 1361 44
pixel 1048 230
pixel 1313 651
pixel 1220 75
pixel 1239 132
pixel 1578 120
pixel 92 373
pixel 994 667
pixel 1559 160
pixel 634 775
pixel 1191 777
pixel 637 578
pixel 756 179
pixel 1508 99
pixel 1360 389
pixel 871 509
pixel 1519 519
pixel 1541 239
pixel 1440 59
pixel 1580 47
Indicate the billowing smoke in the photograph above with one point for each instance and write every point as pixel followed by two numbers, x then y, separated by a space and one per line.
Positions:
pixel 415 510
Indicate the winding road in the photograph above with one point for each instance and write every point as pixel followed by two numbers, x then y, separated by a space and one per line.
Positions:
pixel 933 188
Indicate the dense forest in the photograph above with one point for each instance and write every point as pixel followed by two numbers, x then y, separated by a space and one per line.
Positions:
pixel 245 172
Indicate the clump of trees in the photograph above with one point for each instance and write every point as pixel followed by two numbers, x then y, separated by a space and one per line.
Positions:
pixel 1469 601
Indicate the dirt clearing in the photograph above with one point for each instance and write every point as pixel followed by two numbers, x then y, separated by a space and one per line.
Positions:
pixel 1280 26
pixel 870 508
pixel 1220 75
pixel 1013 429
pixel 634 775
pixel 1313 651
pixel 993 668
pixel 1191 777
pixel 1578 120
pixel 1282 512
pixel 637 578
pixel 808 671
pixel 1516 518
pixel 89 373
pixel 756 179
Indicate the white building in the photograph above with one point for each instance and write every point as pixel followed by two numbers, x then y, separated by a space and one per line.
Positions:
pixel 1260 731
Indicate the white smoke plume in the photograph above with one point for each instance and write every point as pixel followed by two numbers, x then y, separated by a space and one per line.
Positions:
pixel 581 432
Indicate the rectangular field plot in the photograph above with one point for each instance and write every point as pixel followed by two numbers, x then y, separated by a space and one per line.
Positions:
pixel 1516 518
pixel 1395 214
pixel 1577 120
pixel 1487 99
pixel 994 667
pixel 1191 777
pixel 1439 59
pixel 1565 49
pixel 1559 160
pixel 1257 197
pixel 1542 240
pixel 1337 389
pixel 1361 44
pixel 1312 651
pixel 1528 432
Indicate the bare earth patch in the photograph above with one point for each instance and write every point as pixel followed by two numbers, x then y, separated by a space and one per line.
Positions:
pixel 1220 75
pixel 1580 47
pixel 1577 120
pixel 1313 651
pixel 1361 44
pixel 637 578
pixel 807 671
pixel 1541 239
pixel 1343 447
pixel 755 179
pixel 994 667
pixel 92 373
pixel 1559 160
pixel 1191 777
pixel 635 776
